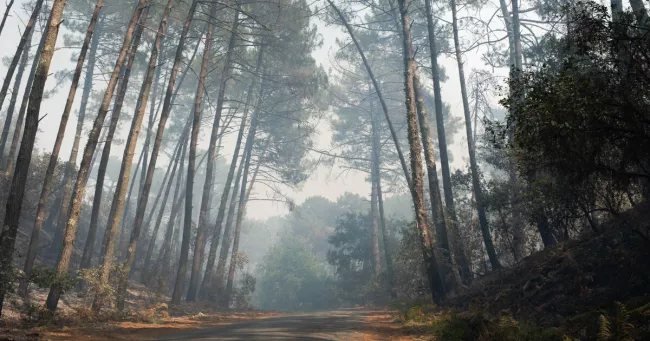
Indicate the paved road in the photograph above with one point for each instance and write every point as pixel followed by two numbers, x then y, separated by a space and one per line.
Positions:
pixel 313 326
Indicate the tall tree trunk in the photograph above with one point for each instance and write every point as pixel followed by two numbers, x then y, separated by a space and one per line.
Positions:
pixel 86 258
pixel 376 162
pixel 17 189
pixel 164 115
pixel 186 129
pixel 447 269
pixel 68 175
pixel 226 243
pixel 517 220
pixel 152 115
pixel 168 250
pixel 417 190
pixel 224 300
pixel 24 40
pixel 476 184
pixel 199 244
pixel 189 186
pixel 82 175
pixel 15 141
pixel 14 98
pixel 442 140
pixel 375 84
pixel 54 157
pixel 228 231
pixel 125 171
pixel 121 240
pixel 214 243
pixel 374 209
pixel 161 212
pixel 4 17
pixel 164 262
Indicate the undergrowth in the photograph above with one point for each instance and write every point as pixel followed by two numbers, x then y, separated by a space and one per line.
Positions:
pixel 623 322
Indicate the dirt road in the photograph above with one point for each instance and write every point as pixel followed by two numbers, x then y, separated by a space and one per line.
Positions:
pixel 313 326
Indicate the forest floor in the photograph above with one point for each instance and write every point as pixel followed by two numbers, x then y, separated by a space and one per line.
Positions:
pixel 571 290
pixel 346 324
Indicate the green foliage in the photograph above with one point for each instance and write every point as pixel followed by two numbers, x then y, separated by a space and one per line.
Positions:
pixel 95 288
pixel 581 117
pixel 616 327
pixel 47 277
pixel 290 278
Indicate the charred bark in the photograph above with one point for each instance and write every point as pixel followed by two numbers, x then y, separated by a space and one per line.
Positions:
pixel 17 189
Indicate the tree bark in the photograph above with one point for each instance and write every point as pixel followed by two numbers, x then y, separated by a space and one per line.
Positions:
pixel 15 141
pixel 154 233
pixel 228 232
pixel 476 184
pixel 121 239
pixel 517 221
pixel 439 218
pixel 224 300
pixel 417 190
pixel 164 262
pixel 117 205
pixel 374 209
pixel 214 243
pixel 164 115
pixel 191 169
pixel 186 129
pixel 199 244
pixel 24 40
pixel 14 98
pixel 68 174
pixel 376 162
pixel 442 139
pixel 4 18
pixel 86 258
pixel 82 175
pixel 54 157
pixel 375 84
pixel 17 189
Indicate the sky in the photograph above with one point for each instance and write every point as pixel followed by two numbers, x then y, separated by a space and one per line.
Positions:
pixel 325 181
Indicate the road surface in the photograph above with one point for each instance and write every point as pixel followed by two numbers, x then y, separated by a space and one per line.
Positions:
pixel 312 326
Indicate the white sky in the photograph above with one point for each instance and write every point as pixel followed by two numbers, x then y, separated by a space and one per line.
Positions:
pixel 324 181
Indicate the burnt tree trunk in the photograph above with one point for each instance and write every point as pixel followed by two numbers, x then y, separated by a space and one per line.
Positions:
pixel 439 218
pixel 417 189
pixel 54 157
pixel 14 98
pixel 15 140
pixel 17 189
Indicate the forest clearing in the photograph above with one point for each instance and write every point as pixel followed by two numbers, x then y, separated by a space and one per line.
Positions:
pixel 446 170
